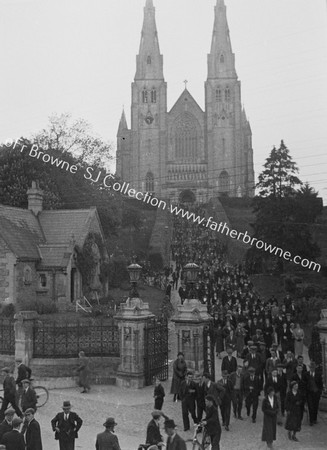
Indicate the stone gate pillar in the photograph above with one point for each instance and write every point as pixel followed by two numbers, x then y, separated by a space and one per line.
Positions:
pixel 132 318
pixel 190 320
pixel 24 335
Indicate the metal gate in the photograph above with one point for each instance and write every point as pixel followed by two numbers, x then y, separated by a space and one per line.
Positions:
pixel 209 350
pixel 155 350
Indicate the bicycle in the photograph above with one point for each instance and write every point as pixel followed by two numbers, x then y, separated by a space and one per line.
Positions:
pixel 42 395
pixel 200 440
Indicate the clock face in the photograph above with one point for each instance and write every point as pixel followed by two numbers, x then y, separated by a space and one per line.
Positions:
pixel 149 119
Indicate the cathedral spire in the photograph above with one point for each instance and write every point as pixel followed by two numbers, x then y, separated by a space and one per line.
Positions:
pixel 221 62
pixel 149 62
pixel 122 124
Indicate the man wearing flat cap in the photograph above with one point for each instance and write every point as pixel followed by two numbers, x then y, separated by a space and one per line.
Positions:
pixel 174 441
pixel 29 398
pixel 66 425
pixel 107 440
pixel 9 393
pixel 6 425
pixel 153 436
pixel 14 440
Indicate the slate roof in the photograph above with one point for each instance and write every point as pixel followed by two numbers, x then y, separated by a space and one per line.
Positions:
pixel 48 237
pixel 59 226
pixel 21 231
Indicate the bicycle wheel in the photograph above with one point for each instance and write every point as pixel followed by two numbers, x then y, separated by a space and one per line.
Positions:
pixel 42 395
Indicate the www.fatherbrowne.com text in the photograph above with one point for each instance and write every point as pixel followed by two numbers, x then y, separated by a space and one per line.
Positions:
pixel 125 189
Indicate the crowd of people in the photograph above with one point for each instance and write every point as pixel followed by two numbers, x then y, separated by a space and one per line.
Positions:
pixel 262 339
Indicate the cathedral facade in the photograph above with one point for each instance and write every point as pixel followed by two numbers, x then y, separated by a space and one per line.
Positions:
pixel 186 154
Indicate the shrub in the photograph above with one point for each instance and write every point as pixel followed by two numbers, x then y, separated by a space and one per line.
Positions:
pixel 156 262
pixel 309 309
pixel 8 310
pixel 41 306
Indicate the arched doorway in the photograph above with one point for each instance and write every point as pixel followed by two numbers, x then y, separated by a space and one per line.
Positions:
pixel 187 196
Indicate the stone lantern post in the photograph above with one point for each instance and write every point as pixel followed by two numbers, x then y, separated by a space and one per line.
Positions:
pixel 190 319
pixel 132 318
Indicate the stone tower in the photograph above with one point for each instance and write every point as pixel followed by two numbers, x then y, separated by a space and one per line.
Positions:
pixel 186 154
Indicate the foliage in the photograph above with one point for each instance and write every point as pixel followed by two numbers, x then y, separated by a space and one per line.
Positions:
pixel 282 213
pixel 166 309
pixel 315 348
pixel 131 218
pixel 309 309
pixel 117 272
pixel 88 260
pixel 41 306
pixel 156 261
pixel 7 310
pixel 64 134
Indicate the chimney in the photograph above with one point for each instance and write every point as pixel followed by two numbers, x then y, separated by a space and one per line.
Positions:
pixel 35 198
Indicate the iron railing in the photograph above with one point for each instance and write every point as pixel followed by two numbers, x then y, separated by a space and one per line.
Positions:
pixel 155 350
pixel 66 340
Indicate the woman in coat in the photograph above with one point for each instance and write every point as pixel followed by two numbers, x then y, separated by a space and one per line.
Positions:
pixel 293 406
pixel 179 372
pixel 298 334
pixel 83 372
pixel 270 409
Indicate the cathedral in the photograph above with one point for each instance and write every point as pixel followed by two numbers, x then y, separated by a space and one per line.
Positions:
pixel 186 154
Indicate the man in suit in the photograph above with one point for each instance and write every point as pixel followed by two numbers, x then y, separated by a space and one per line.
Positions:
pixel 32 431
pixel 251 389
pixel 314 391
pixel 153 436
pixel 213 389
pixel 274 381
pixel 225 407
pixel 237 400
pixel 229 362
pixel 301 380
pixel 200 396
pixel 107 439
pixel 66 425
pixel 187 395
pixel 14 440
pixel 29 398
pixel 9 393
pixel 6 425
pixel 212 423
pixel 174 441
pixel 23 373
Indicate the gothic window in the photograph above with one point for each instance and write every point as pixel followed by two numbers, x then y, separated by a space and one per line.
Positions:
pixel 186 137
pixel 43 281
pixel 153 96
pixel 218 94
pixel 227 94
pixel 223 182
pixel 222 59
pixel 148 60
pixel 145 96
pixel 149 182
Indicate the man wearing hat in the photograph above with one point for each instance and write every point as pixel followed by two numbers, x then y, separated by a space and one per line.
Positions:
pixel 14 440
pixel 66 425
pixel 237 379
pixel 29 398
pixel 212 423
pixel 251 389
pixel 188 395
pixel 314 391
pixel 32 431
pixel 9 393
pixel 153 436
pixel 6 425
pixel 174 441
pixel 225 406
pixel 107 439
pixel 229 362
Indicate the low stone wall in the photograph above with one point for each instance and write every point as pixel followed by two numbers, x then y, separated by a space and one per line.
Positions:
pixel 60 373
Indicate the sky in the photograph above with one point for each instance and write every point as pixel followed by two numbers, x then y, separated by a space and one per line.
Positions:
pixel 78 56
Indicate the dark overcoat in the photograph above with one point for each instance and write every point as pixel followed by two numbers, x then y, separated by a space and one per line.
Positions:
pixel 293 406
pixel 13 440
pixel 33 436
pixel 107 440
pixel 269 420
pixel 179 372
pixel 68 429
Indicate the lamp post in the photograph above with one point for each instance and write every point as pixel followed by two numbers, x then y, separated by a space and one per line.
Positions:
pixel 134 271
pixel 191 275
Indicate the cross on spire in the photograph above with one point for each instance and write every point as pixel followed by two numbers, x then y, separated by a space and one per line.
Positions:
pixel 185 82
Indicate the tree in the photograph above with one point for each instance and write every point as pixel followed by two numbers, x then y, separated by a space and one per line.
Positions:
pixel 281 219
pixel 74 136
